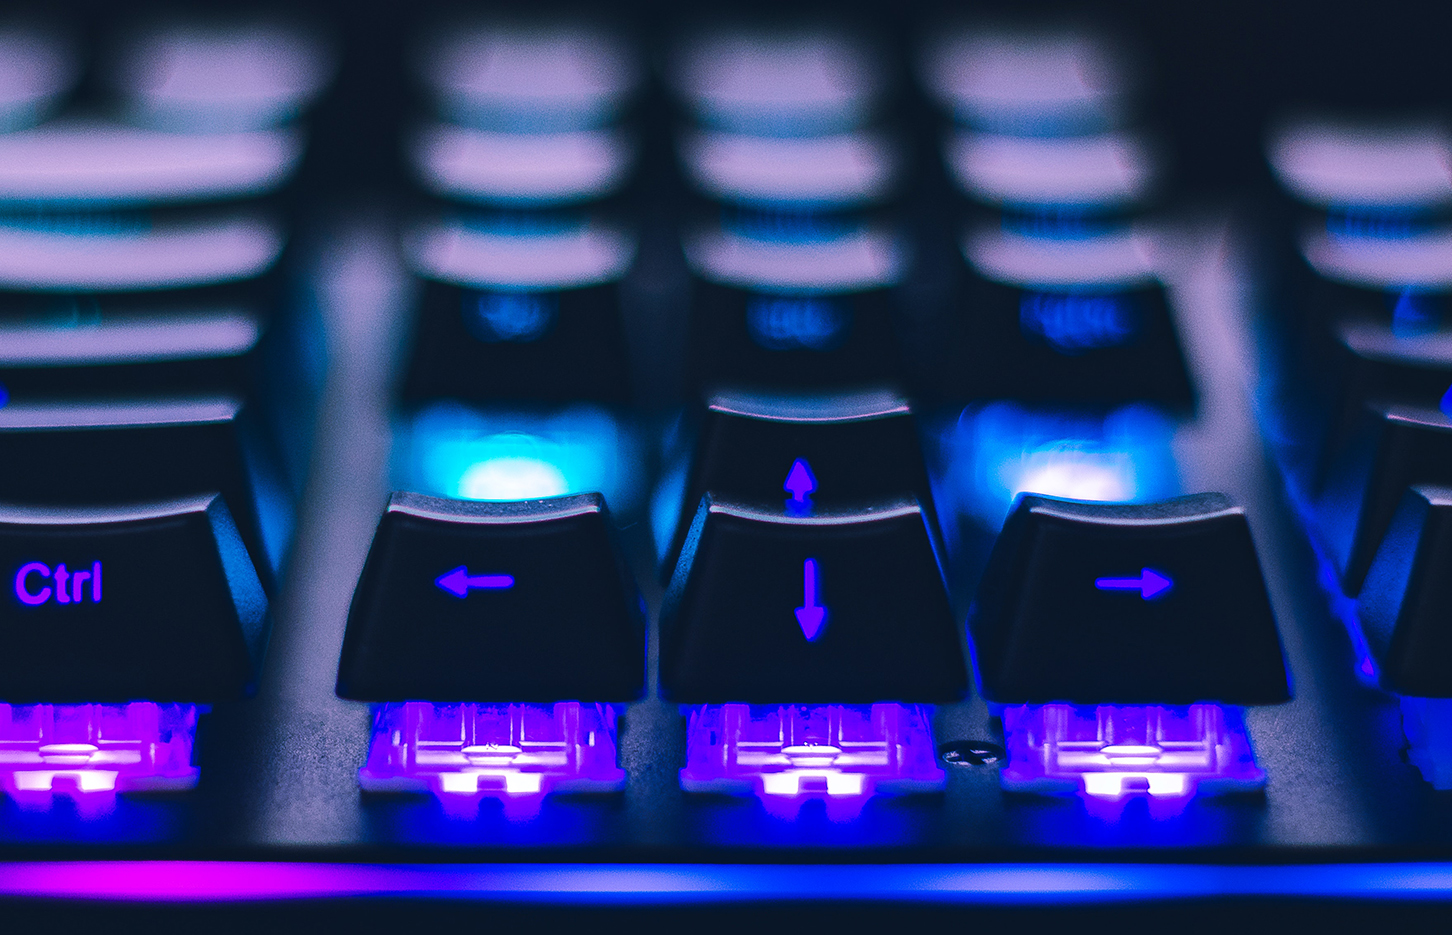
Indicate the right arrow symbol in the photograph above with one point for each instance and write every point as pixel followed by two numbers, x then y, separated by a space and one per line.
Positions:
pixel 1149 584
pixel 810 616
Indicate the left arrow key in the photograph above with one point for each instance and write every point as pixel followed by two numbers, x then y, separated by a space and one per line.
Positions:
pixel 560 621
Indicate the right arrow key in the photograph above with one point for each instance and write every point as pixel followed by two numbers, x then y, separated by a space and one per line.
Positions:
pixel 1141 603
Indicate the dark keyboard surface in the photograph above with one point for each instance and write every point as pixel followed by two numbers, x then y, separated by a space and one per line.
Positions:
pixel 803 403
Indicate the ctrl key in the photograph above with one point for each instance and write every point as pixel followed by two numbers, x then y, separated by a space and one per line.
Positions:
pixel 119 623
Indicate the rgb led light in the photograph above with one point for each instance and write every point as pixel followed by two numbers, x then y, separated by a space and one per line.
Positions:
pixel 518 753
pixel 787 754
pixel 1111 752
pixel 92 751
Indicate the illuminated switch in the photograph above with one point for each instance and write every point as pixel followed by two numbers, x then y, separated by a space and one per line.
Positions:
pixel 803 452
pixel 119 451
pixel 807 651
pixel 524 601
pixel 783 309
pixel 1134 603
pixel 519 315
pixel 113 604
pixel 831 607
pixel 1080 321
pixel 498 642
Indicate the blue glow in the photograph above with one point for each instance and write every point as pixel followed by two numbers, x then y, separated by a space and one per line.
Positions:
pixel 1427 723
pixel 782 323
pixel 1446 404
pixel 596 884
pixel 70 586
pixel 4 395
pixel 996 451
pixel 1073 323
pixel 459 582
pixel 1150 584
pixel 811 616
pixel 450 450
pixel 1366 222
pixel 800 482
pixel 1414 314
pixel 521 317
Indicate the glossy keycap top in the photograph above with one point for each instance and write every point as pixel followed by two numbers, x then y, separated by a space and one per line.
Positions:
pixel 846 607
pixel 155 602
pixel 503 601
pixel 1146 603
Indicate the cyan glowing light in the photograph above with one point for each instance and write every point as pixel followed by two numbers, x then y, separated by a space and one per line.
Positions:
pixel 811 616
pixel 999 450
pixel 73 593
pixel 495 317
pixel 786 754
pixel 518 753
pixel 1111 752
pixel 1072 323
pixel 1150 584
pixel 450 450
pixel 780 323
pixel 90 752
pixel 459 582
pixel 800 482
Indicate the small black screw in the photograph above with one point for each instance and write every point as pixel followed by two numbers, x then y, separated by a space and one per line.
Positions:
pixel 971 753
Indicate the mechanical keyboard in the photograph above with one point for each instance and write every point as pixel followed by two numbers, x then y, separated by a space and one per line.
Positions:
pixel 708 466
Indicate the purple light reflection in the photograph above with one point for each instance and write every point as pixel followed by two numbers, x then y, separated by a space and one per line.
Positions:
pixel 786 754
pixel 518 753
pixel 90 752
pixel 1112 752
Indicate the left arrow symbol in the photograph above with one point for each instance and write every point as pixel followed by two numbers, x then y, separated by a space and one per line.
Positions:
pixel 459 582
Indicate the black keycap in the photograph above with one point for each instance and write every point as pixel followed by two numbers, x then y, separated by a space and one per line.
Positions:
pixel 488 345
pixel 1155 603
pixel 1095 345
pixel 119 451
pixel 153 602
pixel 194 352
pixel 845 607
pixel 469 601
pixel 806 451
pixel 1394 447
pixel 1406 606
pixel 791 340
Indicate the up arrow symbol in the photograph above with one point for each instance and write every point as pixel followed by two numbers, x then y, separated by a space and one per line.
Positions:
pixel 800 483
pixel 810 616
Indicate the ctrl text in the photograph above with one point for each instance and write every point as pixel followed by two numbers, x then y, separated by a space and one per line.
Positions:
pixel 36 583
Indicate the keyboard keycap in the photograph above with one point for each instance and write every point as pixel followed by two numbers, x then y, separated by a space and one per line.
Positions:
pixel 1153 603
pixel 1074 321
pixel 1406 606
pixel 836 607
pixel 781 314
pixel 510 602
pixel 1394 447
pixel 120 451
pixel 155 602
pixel 519 316
pixel 805 452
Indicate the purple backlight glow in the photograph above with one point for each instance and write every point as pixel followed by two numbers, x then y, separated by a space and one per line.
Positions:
pixel 518 753
pixel 1112 752
pixel 786 754
pixel 92 751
